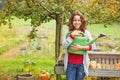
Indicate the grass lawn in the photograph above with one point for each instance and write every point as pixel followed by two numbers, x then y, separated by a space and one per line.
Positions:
pixel 111 30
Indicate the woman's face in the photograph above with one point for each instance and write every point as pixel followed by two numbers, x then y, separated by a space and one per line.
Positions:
pixel 76 22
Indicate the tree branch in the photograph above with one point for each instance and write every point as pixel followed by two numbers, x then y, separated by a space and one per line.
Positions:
pixel 28 4
pixel 48 11
pixel 46 8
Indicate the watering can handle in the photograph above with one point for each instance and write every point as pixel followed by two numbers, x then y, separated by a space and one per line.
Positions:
pixel 81 34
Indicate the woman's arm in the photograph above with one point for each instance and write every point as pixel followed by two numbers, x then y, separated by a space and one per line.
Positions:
pixel 67 41
pixel 79 47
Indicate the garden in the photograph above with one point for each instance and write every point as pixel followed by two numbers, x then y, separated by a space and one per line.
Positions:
pixel 26 58
pixel 31 33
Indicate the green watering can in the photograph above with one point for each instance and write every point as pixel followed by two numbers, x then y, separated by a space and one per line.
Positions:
pixel 83 41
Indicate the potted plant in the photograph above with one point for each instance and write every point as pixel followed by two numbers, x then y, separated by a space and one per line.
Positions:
pixel 28 67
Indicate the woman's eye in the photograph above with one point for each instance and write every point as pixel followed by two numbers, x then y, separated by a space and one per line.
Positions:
pixel 74 20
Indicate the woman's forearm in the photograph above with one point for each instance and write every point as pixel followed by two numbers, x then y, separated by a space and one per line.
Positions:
pixel 86 47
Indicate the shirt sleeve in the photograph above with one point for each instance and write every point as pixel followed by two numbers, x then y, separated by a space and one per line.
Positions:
pixel 71 36
pixel 67 41
pixel 90 47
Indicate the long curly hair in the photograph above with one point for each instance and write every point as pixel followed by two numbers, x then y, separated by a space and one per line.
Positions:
pixel 83 21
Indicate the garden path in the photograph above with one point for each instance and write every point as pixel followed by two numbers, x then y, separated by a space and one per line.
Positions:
pixel 16 50
pixel 13 52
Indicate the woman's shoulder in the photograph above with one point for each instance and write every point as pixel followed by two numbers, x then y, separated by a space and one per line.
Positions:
pixel 65 32
pixel 87 32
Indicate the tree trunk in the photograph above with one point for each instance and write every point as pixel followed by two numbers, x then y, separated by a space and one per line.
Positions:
pixel 59 23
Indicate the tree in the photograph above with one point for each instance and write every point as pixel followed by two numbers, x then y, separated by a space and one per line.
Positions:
pixel 39 11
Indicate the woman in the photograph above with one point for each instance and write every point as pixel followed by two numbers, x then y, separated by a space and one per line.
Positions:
pixel 76 65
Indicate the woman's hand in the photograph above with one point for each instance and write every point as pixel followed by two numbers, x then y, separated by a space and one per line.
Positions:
pixel 76 33
pixel 79 47
pixel 76 47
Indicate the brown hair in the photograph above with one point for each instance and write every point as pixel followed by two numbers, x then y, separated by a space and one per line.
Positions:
pixel 83 21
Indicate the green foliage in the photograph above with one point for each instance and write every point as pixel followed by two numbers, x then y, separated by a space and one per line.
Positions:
pixel 39 11
pixel 3 49
pixel 17 65
pixel 32 34
pixel 28 65
pixel 101 11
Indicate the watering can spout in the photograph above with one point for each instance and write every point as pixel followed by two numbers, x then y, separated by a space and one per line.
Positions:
pixel 101 35
pixel 95 39
pixel 92 41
